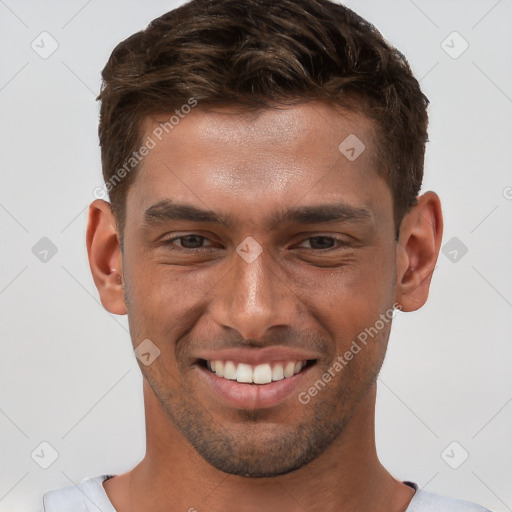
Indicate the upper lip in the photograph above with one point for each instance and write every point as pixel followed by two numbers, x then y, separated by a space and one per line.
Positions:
pixel 255 356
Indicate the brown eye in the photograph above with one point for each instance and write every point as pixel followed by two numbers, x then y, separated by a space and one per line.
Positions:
pixel 189 241
pixel 192 241
pixel 321 242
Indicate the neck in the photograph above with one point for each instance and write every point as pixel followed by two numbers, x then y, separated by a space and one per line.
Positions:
pixel 346 477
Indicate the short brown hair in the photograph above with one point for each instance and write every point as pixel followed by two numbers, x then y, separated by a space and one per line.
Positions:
pixel 258 54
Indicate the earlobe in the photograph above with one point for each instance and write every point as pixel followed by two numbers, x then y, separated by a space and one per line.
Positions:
pixel 418 247
pixel 105 257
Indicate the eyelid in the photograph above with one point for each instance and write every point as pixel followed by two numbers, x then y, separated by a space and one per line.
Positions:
pixel 341 242
pixel 171 240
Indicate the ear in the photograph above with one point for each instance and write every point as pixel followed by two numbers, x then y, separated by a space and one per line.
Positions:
pixel 105 257
pixel 419 242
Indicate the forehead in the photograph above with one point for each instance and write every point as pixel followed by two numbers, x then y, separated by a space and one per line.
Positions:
pixel 272 157
pixel 283 129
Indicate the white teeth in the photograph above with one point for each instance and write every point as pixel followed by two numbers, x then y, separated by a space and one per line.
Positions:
pixel 218 368
pixel 230 370
pixel 278 372
pixel 289 369
pixel 260 374
pixel 244 373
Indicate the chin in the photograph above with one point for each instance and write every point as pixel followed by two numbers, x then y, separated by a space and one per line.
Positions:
pixel 257 468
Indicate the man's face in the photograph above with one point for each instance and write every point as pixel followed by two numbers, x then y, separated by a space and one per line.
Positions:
pixel 323 276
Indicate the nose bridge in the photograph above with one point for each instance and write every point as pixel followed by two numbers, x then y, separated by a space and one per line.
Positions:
pixel 252 297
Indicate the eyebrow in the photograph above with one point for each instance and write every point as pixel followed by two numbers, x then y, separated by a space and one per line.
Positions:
pixel 167 210
pixel 316 214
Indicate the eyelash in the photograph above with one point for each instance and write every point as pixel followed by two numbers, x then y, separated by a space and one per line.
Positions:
pixel 341 243
pixel 171 240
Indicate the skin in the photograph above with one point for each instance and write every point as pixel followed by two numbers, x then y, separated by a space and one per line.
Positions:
pixel 304 290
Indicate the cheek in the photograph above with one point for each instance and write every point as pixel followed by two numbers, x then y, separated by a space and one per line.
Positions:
pixel 355 304
pixel 147 303
pixel 165 303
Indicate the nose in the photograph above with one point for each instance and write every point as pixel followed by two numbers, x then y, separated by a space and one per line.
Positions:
pixel 254 297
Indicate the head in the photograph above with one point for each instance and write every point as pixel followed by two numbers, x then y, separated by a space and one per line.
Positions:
pixel 263 161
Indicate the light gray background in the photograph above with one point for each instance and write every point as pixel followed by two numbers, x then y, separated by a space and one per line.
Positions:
pixel 67 372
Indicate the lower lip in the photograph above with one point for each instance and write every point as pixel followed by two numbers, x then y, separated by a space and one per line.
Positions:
pixel 251 396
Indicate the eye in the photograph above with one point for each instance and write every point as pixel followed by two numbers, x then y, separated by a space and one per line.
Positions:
pixel 322 242
pixel 188 241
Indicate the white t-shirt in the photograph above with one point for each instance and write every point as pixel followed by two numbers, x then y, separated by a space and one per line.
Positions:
pixel 90 496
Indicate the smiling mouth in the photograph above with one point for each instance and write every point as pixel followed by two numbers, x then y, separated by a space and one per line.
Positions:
pixel 256 374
